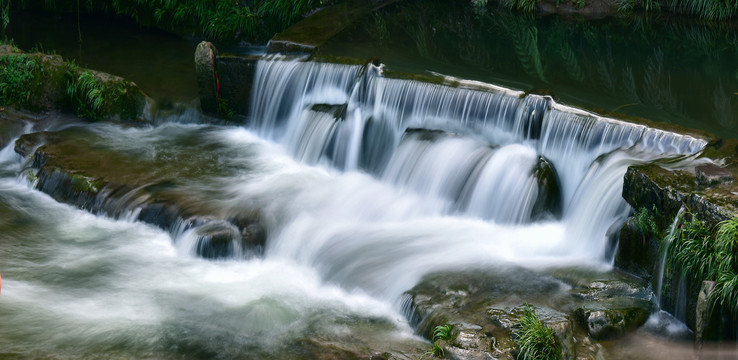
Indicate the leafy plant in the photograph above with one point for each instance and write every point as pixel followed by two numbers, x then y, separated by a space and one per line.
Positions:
pixel 17 78
pixel 526 6
pixel 645 222
pixel 535 341
pixel 703 256
pixel 442 332
pixel 86 92
pixel 437 350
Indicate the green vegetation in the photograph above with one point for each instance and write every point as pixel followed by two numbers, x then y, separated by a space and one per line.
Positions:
pixel 527 6
pixel 442 332
pixel 535 341
pixel 19 76
pixel 646 223
pixel 703 256
pixel 38 81
pixel 86 93
pixel 224 20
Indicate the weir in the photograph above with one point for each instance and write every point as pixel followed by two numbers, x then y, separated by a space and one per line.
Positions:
pixel 477 148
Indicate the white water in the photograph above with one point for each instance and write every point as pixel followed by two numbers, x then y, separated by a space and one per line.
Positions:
pixel 455 172
pixel 363 213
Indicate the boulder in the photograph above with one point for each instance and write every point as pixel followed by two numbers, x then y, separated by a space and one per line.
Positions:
pixel 710 175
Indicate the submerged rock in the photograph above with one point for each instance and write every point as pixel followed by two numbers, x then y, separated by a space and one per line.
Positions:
pixel 548 202
pixel 77 167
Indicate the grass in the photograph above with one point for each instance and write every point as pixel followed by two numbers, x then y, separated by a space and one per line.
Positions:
pixel 702 255
pixel 527 6
pixel 535 341
pixel 440 333
pixel 86 93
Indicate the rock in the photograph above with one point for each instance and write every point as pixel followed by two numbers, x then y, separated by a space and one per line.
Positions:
pixel 636 254
pixel 207 81
pixel 75 166
pixel 52 84
pixel 610 323
pixel 548 202
pixel 710 175
pixel 702 312
pixel 218 240
pixel 509 320
pixel 468 342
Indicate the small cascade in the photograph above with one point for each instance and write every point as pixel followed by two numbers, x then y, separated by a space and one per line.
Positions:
pixel 353 118
pixel 674 231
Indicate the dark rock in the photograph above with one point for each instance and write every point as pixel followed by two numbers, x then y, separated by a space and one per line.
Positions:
pixel 548 202
pixel 605 324
pixel 218 240
pixel 636 253
pixel 509 320
pixel 207 83
pixel 468 342
pixel 338 112
pixel 710 175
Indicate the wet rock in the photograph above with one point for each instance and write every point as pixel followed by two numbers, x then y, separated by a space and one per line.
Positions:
pixel 73 166
pixel 710 175
pixel 703 312
pixel 548 203
pixel 608 323
pixel 468 341
pixel 218 240
pixel 636 253
pixel 509 320
pixel 338 112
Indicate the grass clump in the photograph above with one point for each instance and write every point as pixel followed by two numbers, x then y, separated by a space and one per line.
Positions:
pixel 535 341
pixel 702 255
pixel 440 333
pixel 86 93
pixel 527 6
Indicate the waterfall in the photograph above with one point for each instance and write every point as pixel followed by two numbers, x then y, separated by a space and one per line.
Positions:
pixel 480 162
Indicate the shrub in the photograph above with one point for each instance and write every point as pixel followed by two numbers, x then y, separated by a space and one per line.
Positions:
pixel 18 79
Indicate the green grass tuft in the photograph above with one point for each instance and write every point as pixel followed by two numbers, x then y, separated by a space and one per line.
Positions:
pixel 442 332
pixel 535 341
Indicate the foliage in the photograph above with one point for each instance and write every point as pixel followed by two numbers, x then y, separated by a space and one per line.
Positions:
pixel 442 332
pixel 645 222
pixel 535 341
pixel 86 93
pixel 436 350
pixel 18 75
pixel 522 5
pixel 703 256
pixel 709 9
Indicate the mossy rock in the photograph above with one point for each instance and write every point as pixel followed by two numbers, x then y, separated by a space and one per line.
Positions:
pixel 42 82
pixel 603 323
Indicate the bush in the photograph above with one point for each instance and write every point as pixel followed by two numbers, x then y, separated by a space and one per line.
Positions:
pixel 18 79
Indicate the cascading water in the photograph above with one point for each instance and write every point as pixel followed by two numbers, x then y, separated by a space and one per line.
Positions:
pixel 411 178
pixel 589 153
